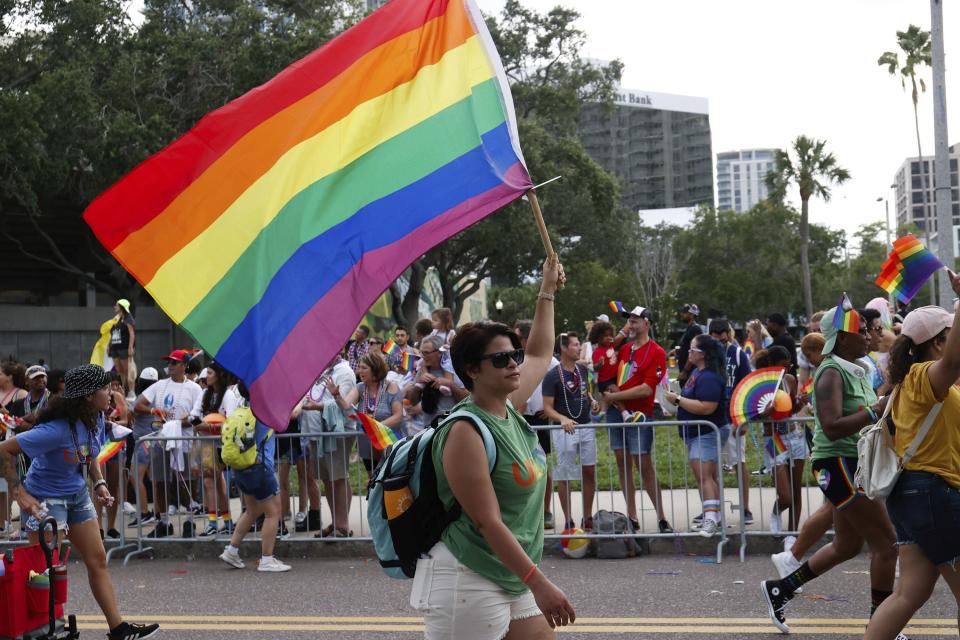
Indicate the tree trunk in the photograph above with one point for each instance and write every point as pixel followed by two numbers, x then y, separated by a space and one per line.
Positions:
pixel 804 256
pixel 406 308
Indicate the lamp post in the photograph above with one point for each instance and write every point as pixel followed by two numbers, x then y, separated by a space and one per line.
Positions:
pixel 498 305
pixel 886 225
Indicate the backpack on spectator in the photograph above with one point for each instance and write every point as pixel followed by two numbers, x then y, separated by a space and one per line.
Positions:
pixel 614 523
pixel 404 509
pixel 238 437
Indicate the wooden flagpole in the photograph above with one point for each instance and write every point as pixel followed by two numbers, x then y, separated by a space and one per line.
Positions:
pixel 541 226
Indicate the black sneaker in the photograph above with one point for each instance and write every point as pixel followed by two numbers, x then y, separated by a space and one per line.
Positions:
pixel 776 599
pixel 665 527
pixel 188 529
pixel 162 530
pixel 130 631
pixel 282 532
pixel 142 519
pixel 113 534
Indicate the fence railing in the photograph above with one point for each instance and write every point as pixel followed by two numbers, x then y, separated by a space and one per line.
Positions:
pixel 184 492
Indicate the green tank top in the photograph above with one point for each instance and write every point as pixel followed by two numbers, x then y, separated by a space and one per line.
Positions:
pixel 857 394
pixel 519 480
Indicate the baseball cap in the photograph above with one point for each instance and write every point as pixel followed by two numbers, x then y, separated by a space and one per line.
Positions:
pixel 926 323
pixel 35 371
pixel 640 312
pixel 689 308
pixel 149 373
pixel 178 355
pixel 603 318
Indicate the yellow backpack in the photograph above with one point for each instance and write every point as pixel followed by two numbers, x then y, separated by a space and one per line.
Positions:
pixel 238 437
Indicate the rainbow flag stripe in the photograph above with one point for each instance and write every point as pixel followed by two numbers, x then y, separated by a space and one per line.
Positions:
pixel 407 361
pixel 754 394
pixel 907 268
pixel 390 347
pixel 269 229
pixel 749 347
pixel 380 435
pixel 624 371
pixel 847 318
pixel 616 306
pixel 109 450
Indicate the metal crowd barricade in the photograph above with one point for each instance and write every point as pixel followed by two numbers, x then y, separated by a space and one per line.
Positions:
pixel 768 493
pixel 677 497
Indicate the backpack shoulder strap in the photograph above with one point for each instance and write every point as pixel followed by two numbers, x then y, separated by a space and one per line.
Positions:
pixel 488 443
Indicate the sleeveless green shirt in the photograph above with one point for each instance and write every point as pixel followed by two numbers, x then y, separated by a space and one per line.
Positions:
pixel 519 480
pixel 857 395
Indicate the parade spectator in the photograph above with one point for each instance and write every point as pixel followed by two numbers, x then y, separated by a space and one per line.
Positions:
pixel 377 398
pixel 261 496
pixel 433 387
pixel 532 411
pixel 804 368
pixel 442 320
pixel 632 446
pixel 422 329
pixel 149 455
pixel 358 347
pixel 877 372
pixel 37 395
pixel 401 337
pixel 12 392
pixel 702 398
pixel 118 413
pixel 481 580
pixel 776 325
pixel 845 404
pixel 688 317
pixel 321 414
pixel 55 383
pixel 604 362
pixel 123 339
pixel 566 402
pixel 171 400
pixel 63 446
pixel 925 365
pixel 736 368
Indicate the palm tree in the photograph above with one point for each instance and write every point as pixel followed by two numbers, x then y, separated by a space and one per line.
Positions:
pixel 914 43
pixel 814 171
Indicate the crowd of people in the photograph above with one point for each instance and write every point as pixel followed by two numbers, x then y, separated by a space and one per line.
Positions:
pixel 848 366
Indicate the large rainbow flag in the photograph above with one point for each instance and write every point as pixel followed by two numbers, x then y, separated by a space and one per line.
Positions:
pixel 268 229
pixel 907 268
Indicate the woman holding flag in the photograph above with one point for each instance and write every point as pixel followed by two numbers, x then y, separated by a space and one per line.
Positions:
pixel 63 447
pixel 481 580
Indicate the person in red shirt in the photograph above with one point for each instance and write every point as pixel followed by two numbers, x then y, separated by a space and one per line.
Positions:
pixel 648 366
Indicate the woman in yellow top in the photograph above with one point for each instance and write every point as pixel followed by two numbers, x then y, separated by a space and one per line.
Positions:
pixel 925 503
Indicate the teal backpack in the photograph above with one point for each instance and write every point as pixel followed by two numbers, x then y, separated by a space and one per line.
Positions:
pixel 404 510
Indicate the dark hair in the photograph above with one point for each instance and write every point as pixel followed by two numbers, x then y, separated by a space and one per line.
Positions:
pixel 213 394
pixel 423 327
pixel 365 329
pixel 113 376
pixel 905 353
pixel 400 327
pixel 719 326
pixel 73 410
pixel 777 353
pixel 563 340
pixel 194 365
pixel 869 315
pixel 777 319
pixel 599 329
pixel 445 316
pixel 55 379
pixel 378 366
pixel 713 354
pixel 141 385
pixel 16 371
pixel 471 342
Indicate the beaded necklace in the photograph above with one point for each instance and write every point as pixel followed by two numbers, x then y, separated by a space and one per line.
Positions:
pixel 368 408
pixel 563 383
pixel 28 403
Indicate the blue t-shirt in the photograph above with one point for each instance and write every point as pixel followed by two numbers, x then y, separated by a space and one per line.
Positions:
pixel 55 467
pixel 737 368
pixel 707 386
pixel 570 397
pixel 266 446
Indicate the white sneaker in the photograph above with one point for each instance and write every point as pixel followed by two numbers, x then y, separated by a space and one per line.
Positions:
pixel 272 565
pixel 708 528
pixel 232 558
pixel 776 526
pixel 788 542
pixel 300 517
pixel 786 564
pixel 128 508
pixel 171 510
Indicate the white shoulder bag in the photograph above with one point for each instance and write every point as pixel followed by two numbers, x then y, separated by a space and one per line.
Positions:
pixel 878 467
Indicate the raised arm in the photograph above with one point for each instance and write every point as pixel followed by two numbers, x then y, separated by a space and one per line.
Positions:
pixel 540 343
pixel 944 372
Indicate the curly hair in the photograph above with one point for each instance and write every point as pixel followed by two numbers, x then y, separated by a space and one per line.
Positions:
pixel 73 410
pixel 599 329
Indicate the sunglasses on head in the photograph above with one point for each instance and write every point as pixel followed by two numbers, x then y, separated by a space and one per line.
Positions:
pixel 501 359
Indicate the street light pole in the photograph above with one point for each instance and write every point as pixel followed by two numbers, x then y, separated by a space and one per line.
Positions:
pixel 886 226
pixel 946 246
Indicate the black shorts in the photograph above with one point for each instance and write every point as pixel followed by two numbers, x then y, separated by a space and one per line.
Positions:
pixel 836 479
pixel 542 435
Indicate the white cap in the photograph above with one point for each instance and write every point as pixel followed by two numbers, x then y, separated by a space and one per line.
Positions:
pixel 149 373
pixel 603 317
pixel 203 373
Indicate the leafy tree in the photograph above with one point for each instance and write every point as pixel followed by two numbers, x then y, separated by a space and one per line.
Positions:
pixel 813 170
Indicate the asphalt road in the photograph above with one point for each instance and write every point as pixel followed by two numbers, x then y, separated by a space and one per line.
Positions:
pixel 660 596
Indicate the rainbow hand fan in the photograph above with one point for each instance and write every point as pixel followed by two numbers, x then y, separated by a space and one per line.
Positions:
pixel 754 394
pixel 749 347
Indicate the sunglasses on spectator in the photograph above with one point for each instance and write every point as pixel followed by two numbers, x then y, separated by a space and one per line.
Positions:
pixel 501 359
pixel 696 350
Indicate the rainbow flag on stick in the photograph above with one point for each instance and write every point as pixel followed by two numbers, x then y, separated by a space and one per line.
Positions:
pixel 390 347
pixel 617 307
pixel 115 442
pixel 269 229
pixel 380 435
pixel 907 268
pixel 408 361
pixel 847 318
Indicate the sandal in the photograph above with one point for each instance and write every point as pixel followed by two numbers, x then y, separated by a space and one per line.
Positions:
pixel 325 533
pixel 336 533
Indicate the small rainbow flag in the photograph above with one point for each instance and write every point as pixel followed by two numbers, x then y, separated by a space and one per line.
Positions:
pixel 616 306
pixel 269 229
pixel 907 268
pixel 380 435
pixel 754 394
pixel 847 318
pixel 390 347
pixel 775 445
pixel 115 442
pixel 807 387
pixel 407 361
pixel 624 371
pixel 749 348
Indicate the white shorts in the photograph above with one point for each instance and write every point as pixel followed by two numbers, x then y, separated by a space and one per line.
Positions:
pixel 458 603
pixel 730 450
pixel 583 442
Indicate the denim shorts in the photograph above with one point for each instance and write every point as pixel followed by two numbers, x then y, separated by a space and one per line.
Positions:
pixel 257 481
pixel 69 510
pixel 925 510
pixel 704 446
pixel 793 445
pixel 639 439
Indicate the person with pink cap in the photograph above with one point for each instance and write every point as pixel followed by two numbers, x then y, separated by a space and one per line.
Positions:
pixel 925 503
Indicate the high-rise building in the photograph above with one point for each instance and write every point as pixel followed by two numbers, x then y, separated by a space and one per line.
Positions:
pixel 742 178
pixel 656 144
pixel 915 199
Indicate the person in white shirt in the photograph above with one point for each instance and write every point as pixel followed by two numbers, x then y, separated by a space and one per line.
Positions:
pixel 170 399
pixel 320 410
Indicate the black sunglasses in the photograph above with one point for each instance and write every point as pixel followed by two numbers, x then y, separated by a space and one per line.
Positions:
pixel 501 359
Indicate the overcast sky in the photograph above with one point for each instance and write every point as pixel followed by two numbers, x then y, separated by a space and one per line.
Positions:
pixel 774 70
